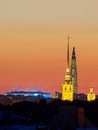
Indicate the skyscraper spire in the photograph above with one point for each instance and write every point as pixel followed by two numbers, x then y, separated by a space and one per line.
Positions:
pixel 73 54
pixel 73 74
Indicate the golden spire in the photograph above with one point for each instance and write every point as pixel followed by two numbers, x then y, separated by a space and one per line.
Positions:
pixel 67 77
pixel 68 53
pixel 67 86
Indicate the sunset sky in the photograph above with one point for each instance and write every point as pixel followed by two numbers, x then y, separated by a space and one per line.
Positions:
pixel 33 43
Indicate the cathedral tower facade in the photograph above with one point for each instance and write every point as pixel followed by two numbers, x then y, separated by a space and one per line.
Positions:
pixel 67 86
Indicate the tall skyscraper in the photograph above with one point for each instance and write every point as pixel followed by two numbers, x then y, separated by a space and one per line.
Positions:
pixel 73 74
pixel 67 86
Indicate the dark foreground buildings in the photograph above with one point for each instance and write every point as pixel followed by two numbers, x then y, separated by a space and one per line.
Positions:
pixel 55 115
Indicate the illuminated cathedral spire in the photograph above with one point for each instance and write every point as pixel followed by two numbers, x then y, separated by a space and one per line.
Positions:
pixel 73 74
pixel 67 86
pixel 68 53
pixel 67 76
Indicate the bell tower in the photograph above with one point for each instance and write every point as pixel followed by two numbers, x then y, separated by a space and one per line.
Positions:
pixel 67 86
pixel 91 95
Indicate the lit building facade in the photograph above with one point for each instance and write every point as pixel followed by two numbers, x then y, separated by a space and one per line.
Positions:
pixel 73 73
pixel 91 95
pixel 67 86
pixel 32 94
